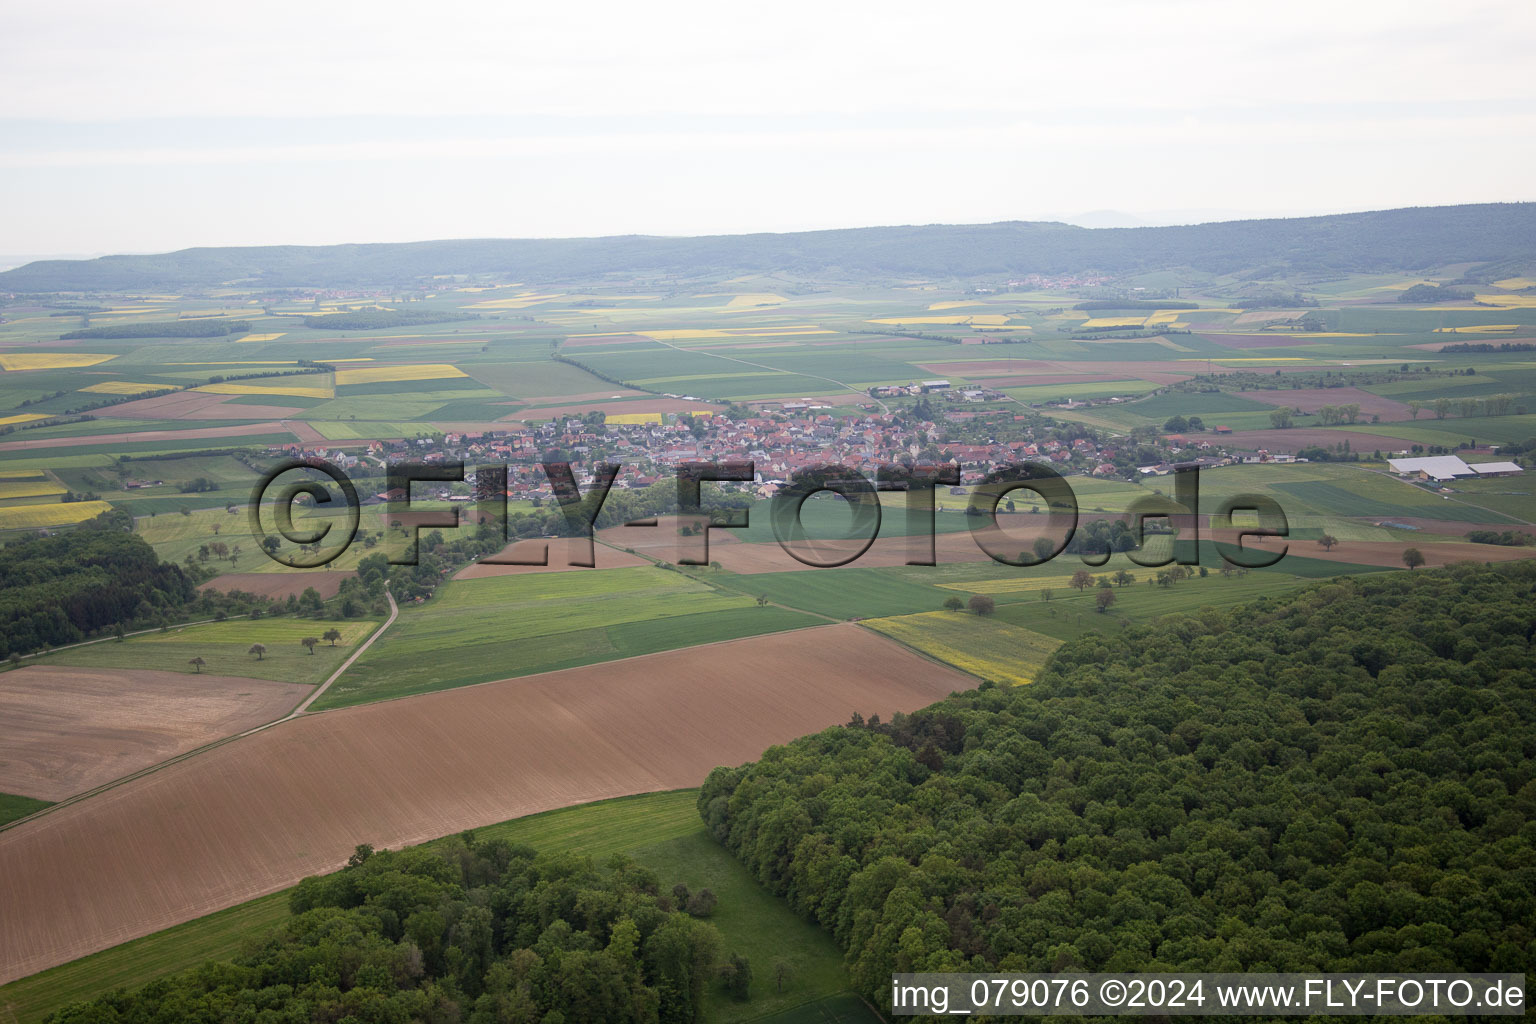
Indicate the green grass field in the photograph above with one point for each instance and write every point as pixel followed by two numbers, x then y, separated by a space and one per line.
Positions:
pixel 13 807
pixel 839 593
pixel 477 631
pixel 661 831
pixel 1070 614
pixel 225 647
pixel 981 645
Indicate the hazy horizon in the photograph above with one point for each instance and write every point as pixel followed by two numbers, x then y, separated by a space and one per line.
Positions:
pixel 157 129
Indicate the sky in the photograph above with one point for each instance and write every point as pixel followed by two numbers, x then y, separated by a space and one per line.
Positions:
pixel 139 127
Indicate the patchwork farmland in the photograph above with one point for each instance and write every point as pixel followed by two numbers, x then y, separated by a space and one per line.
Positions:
pixel 500 690
pixel 257 814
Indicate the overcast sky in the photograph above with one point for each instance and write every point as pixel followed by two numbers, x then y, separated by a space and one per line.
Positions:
pixel 147 127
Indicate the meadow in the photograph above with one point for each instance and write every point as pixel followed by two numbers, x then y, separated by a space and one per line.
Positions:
pixel 479 630
pixel 225 649
pixel 990 650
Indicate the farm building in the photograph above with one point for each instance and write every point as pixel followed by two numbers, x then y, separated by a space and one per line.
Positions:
pixel 1433 467
pixel 1496 469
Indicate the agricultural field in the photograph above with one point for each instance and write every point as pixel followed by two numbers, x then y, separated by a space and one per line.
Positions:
pixel 499 627
pixel 13 807
pixel 225 648
pixel 255 815
pixel 996 651
pixel 69 730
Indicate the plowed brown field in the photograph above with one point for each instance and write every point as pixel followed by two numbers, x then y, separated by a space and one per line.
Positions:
pixel 280 584
pixel 68 730
pixel 558 555
pixel 255 815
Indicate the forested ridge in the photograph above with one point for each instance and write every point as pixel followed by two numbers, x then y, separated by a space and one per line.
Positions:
pixel 479 932
pixel 1383 240
pixel 1340 780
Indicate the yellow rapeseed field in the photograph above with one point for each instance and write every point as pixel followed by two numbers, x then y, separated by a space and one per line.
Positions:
pixel 977 644
pixel 295 390
pixel 262 337
pixel 1479 329
pixel 751 300
pixel 519 302
pixel 1515 283
pixel 29 489
pixel 34 517
pixel 1115 321
pixel 50 360
pixel 989 319
pixel 26 417
pixel 124 387
pixel 633 417
pixel 379 374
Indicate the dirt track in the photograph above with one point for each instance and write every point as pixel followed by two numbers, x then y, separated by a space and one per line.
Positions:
pixel 257 814
pixel 68 730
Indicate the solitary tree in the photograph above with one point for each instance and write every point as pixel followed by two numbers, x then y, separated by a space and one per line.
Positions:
pixel 310 642
pixel 953 604
pixel 1104 599
pixel 783 970
pixel 1413 558
pixel 1327 541
pixel 1123 578
pixel 333 634
pixel 197 664
pixel 1046 593
pixel 762 600
pixel 1082 579
pixel 259 650
pixel 737 973
pixel 981 604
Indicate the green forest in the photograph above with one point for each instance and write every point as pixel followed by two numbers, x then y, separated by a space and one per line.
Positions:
pixel 479 932
pixel 57 590
pixel 1340 780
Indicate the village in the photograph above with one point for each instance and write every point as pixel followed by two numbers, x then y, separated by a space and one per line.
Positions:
pixel 779 442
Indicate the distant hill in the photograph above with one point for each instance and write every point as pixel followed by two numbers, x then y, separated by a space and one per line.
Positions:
pixel 1410 240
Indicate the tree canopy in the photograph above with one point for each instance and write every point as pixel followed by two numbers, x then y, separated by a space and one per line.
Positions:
pixel 480 932
pixel 1343 780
